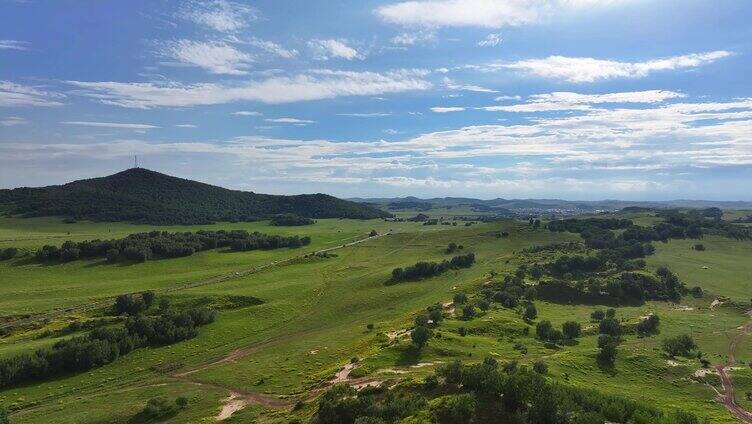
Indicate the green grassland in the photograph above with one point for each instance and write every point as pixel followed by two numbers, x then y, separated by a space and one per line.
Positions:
pixel 315 310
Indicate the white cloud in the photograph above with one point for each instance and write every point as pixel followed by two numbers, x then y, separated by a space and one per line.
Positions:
pixel 274 48
pixel 13 45
pixel 647 96
pixel 568 101
pixel 247 113
pixel 314 85
pixel 327 49
pixel 491 40
pixel 413 38
pixel 585 69
pixel 110 125
pixel 290 121
pixel 220 15
pixel 12 121
pixel 481 13
pixel 216 57
pixel 185 126
pixel 501 98
pixel 366 115
pixel 451 85
pixel 15 95
pixel 447 109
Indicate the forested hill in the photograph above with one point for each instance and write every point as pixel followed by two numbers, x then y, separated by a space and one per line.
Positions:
pixel 142 196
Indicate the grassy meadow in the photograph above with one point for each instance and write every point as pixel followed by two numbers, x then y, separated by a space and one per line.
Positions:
pixel 315 311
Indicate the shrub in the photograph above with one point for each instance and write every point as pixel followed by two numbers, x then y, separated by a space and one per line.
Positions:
pixel 459 298
pixel 530 312
pixel 456 409
pixel 160 407
pixel 419 336
pixel 607 345
pixel 571 329
pixel 462 331
pixel 540 367
pixel 468 312
pixel 648 325
pixel 681 345
pixel 611 327
pixel 8 253
pixel 543 330
pixel 598 315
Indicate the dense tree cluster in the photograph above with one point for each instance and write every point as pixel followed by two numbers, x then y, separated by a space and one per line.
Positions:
pixel 140 247
pixel 103 345
pixel 424 269
pixel 142 196
pixel 8 253
pixel 486 392
pixel 290 220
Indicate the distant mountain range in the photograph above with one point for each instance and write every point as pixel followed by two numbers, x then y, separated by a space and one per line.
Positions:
pixel 504 206
pixel 142 196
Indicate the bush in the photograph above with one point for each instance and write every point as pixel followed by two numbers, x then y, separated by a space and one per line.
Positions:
pixel 160 407
pixel 459 298
pixel 540 367
pixel 611 327
pixel 681 345
pixel 699 247
pixel 598 315
pixel 607 345
pixel 462 331
pixel 571 329
pixel 648 325
pixel 543 330
pixel 457 409
pixel 422 269
pixel 8 253
pixel 530 312
pixel 419 336
pixel 468 312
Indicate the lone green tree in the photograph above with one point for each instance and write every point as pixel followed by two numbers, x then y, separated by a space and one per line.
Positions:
pixel 420 336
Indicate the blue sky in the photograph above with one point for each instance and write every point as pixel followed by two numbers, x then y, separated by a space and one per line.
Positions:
pixel 574 99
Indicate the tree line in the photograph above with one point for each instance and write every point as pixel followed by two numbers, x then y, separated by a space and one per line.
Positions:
pixel 103 345
pixel 140 247
pixel 487 392
pixel 425 269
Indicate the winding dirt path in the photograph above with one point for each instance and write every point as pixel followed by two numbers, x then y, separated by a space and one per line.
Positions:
pixel 727 397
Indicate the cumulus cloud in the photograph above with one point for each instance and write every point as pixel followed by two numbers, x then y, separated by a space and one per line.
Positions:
pixel 219 15
pixel 15 95
pixel 214 56
pixel 328 49
pixel 491 40
pixel 110 125
pixel 585 69
pixel 606 149
pixel 313 85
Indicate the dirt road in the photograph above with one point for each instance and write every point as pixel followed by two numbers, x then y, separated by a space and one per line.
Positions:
pixel 727 397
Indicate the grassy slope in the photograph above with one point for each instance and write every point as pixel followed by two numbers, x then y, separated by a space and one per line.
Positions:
pixel 314 316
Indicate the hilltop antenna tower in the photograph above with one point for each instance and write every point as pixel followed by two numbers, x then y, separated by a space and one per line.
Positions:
pixel 135 161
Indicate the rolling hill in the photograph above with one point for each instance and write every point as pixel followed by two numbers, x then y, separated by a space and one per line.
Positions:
pixel 142 196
